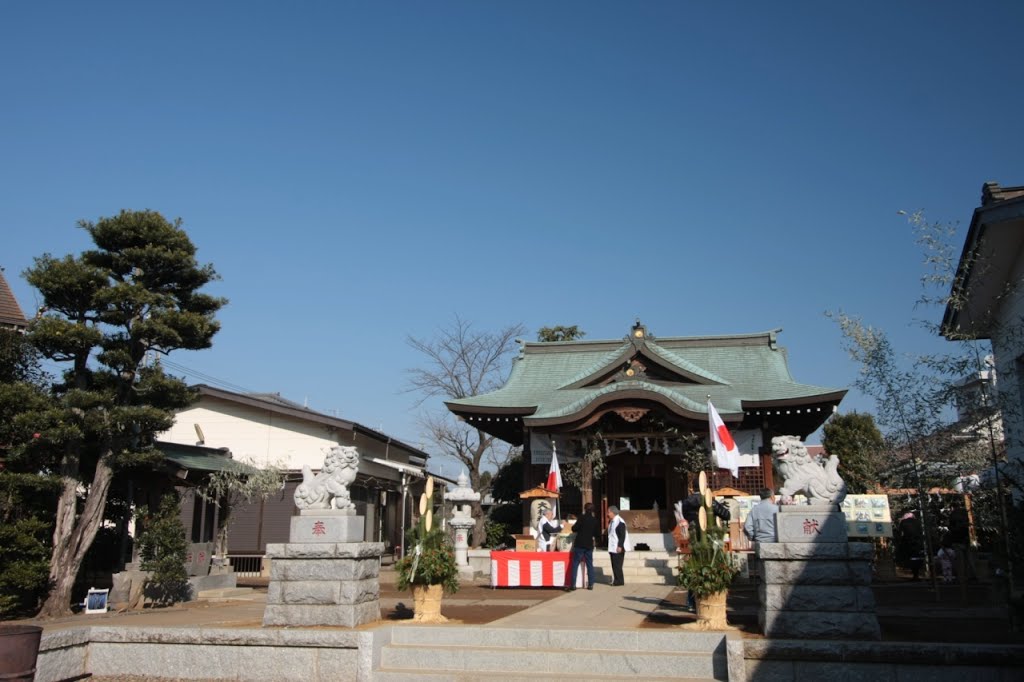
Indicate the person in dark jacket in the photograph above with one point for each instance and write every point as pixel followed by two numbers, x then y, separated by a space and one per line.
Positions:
pixel 910 545
pixel 586 529
pixel 691 512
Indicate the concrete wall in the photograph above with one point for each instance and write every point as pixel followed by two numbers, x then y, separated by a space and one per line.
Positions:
pixel 315 655
pixel 204 654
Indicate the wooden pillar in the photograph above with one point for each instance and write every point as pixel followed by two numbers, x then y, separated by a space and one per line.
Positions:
pixel 586 481
pixel 766 469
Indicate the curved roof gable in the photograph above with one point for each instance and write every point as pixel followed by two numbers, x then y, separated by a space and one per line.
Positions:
pixel 561 382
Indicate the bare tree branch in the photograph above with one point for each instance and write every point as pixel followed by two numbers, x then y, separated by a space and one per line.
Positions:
pixel 462 362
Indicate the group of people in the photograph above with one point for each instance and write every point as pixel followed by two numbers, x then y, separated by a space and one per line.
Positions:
pixel 953 556
pixel 587 531
pixel 759 526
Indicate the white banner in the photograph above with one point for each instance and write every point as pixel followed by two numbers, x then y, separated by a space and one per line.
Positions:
pixel 749 442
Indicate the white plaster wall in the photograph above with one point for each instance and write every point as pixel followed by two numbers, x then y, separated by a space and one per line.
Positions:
pixel 259 437
pixel 263 437
pixel 1008 346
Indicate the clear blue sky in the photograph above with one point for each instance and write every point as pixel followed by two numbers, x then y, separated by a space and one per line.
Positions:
pixel 360 173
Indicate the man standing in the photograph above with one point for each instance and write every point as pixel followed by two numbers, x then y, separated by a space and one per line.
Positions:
pixel 618 539
pixel 586 530
pixel 760 524
pixel 546 531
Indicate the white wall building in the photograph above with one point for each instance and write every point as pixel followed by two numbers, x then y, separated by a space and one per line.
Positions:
pixel 266 429
pixel 987 301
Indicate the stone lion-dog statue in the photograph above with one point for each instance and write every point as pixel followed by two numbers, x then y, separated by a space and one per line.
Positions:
pixel 818 480
pixel 329 488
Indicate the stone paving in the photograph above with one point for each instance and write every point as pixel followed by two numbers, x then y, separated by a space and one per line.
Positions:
pixel 605 607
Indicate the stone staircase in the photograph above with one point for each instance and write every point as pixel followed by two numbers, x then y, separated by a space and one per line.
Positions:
pixel 645 568
pixel 435 654
pixel 227 594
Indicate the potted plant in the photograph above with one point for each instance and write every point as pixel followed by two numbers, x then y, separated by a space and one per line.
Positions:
pixel 709 570
pixel 429 569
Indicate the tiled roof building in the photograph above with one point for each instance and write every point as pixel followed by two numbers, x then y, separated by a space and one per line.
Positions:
pixel 637 398
pixel 11 316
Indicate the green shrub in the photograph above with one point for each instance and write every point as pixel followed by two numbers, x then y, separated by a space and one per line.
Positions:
pixel 163 548
pixel 502 521
pixel 709 569
pixel 25 558
pixel 431 560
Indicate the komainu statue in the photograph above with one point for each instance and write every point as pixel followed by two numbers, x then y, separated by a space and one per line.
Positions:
pixel 329 488
pixel 818 480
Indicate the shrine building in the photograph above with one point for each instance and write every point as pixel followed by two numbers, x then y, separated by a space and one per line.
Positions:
pixel 628 418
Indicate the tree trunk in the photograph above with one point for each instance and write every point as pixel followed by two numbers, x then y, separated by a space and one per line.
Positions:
pixel 73 536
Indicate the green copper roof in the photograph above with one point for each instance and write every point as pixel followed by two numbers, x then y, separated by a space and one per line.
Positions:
pixel 199 458
pixel 553 382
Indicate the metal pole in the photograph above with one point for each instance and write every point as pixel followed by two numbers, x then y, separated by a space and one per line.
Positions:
pixel 401 539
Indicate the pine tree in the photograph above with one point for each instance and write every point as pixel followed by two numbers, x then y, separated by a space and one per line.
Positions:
pixel 135 296
pixel 860 447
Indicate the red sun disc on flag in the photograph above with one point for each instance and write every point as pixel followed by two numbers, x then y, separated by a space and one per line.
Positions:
pixel 723 435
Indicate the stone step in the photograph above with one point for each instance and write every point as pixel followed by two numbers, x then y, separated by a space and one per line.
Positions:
pixel 226 593
pixel 484 653
pixel 383 675
pixel 637 577
pixel 664 641
pixel 646 665
pixel 641 560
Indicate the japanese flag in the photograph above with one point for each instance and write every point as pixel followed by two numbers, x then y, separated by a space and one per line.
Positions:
pixel 727 455
pixel 554 473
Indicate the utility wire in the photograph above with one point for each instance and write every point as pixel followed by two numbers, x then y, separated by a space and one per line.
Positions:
pixel 206 378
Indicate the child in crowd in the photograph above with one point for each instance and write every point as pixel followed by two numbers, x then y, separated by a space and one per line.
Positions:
pixel 946 557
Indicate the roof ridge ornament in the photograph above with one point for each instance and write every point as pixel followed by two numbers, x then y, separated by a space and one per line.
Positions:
pixel 638 334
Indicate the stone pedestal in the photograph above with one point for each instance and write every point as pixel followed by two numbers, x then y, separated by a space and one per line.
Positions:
pixel 815 583
pixel 325 575
pixel 462 526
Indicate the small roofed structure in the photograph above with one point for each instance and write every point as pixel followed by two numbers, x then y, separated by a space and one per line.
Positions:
pixel 729 492
pixel 538 492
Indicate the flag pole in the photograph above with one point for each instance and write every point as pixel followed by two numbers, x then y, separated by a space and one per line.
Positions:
pixel 711 443
pixel 554 454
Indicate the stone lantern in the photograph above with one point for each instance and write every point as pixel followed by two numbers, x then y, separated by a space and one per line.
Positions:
pixel 462 520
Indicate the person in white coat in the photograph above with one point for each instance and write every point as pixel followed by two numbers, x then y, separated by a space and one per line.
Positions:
pixel 618 543
pixel 547 529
